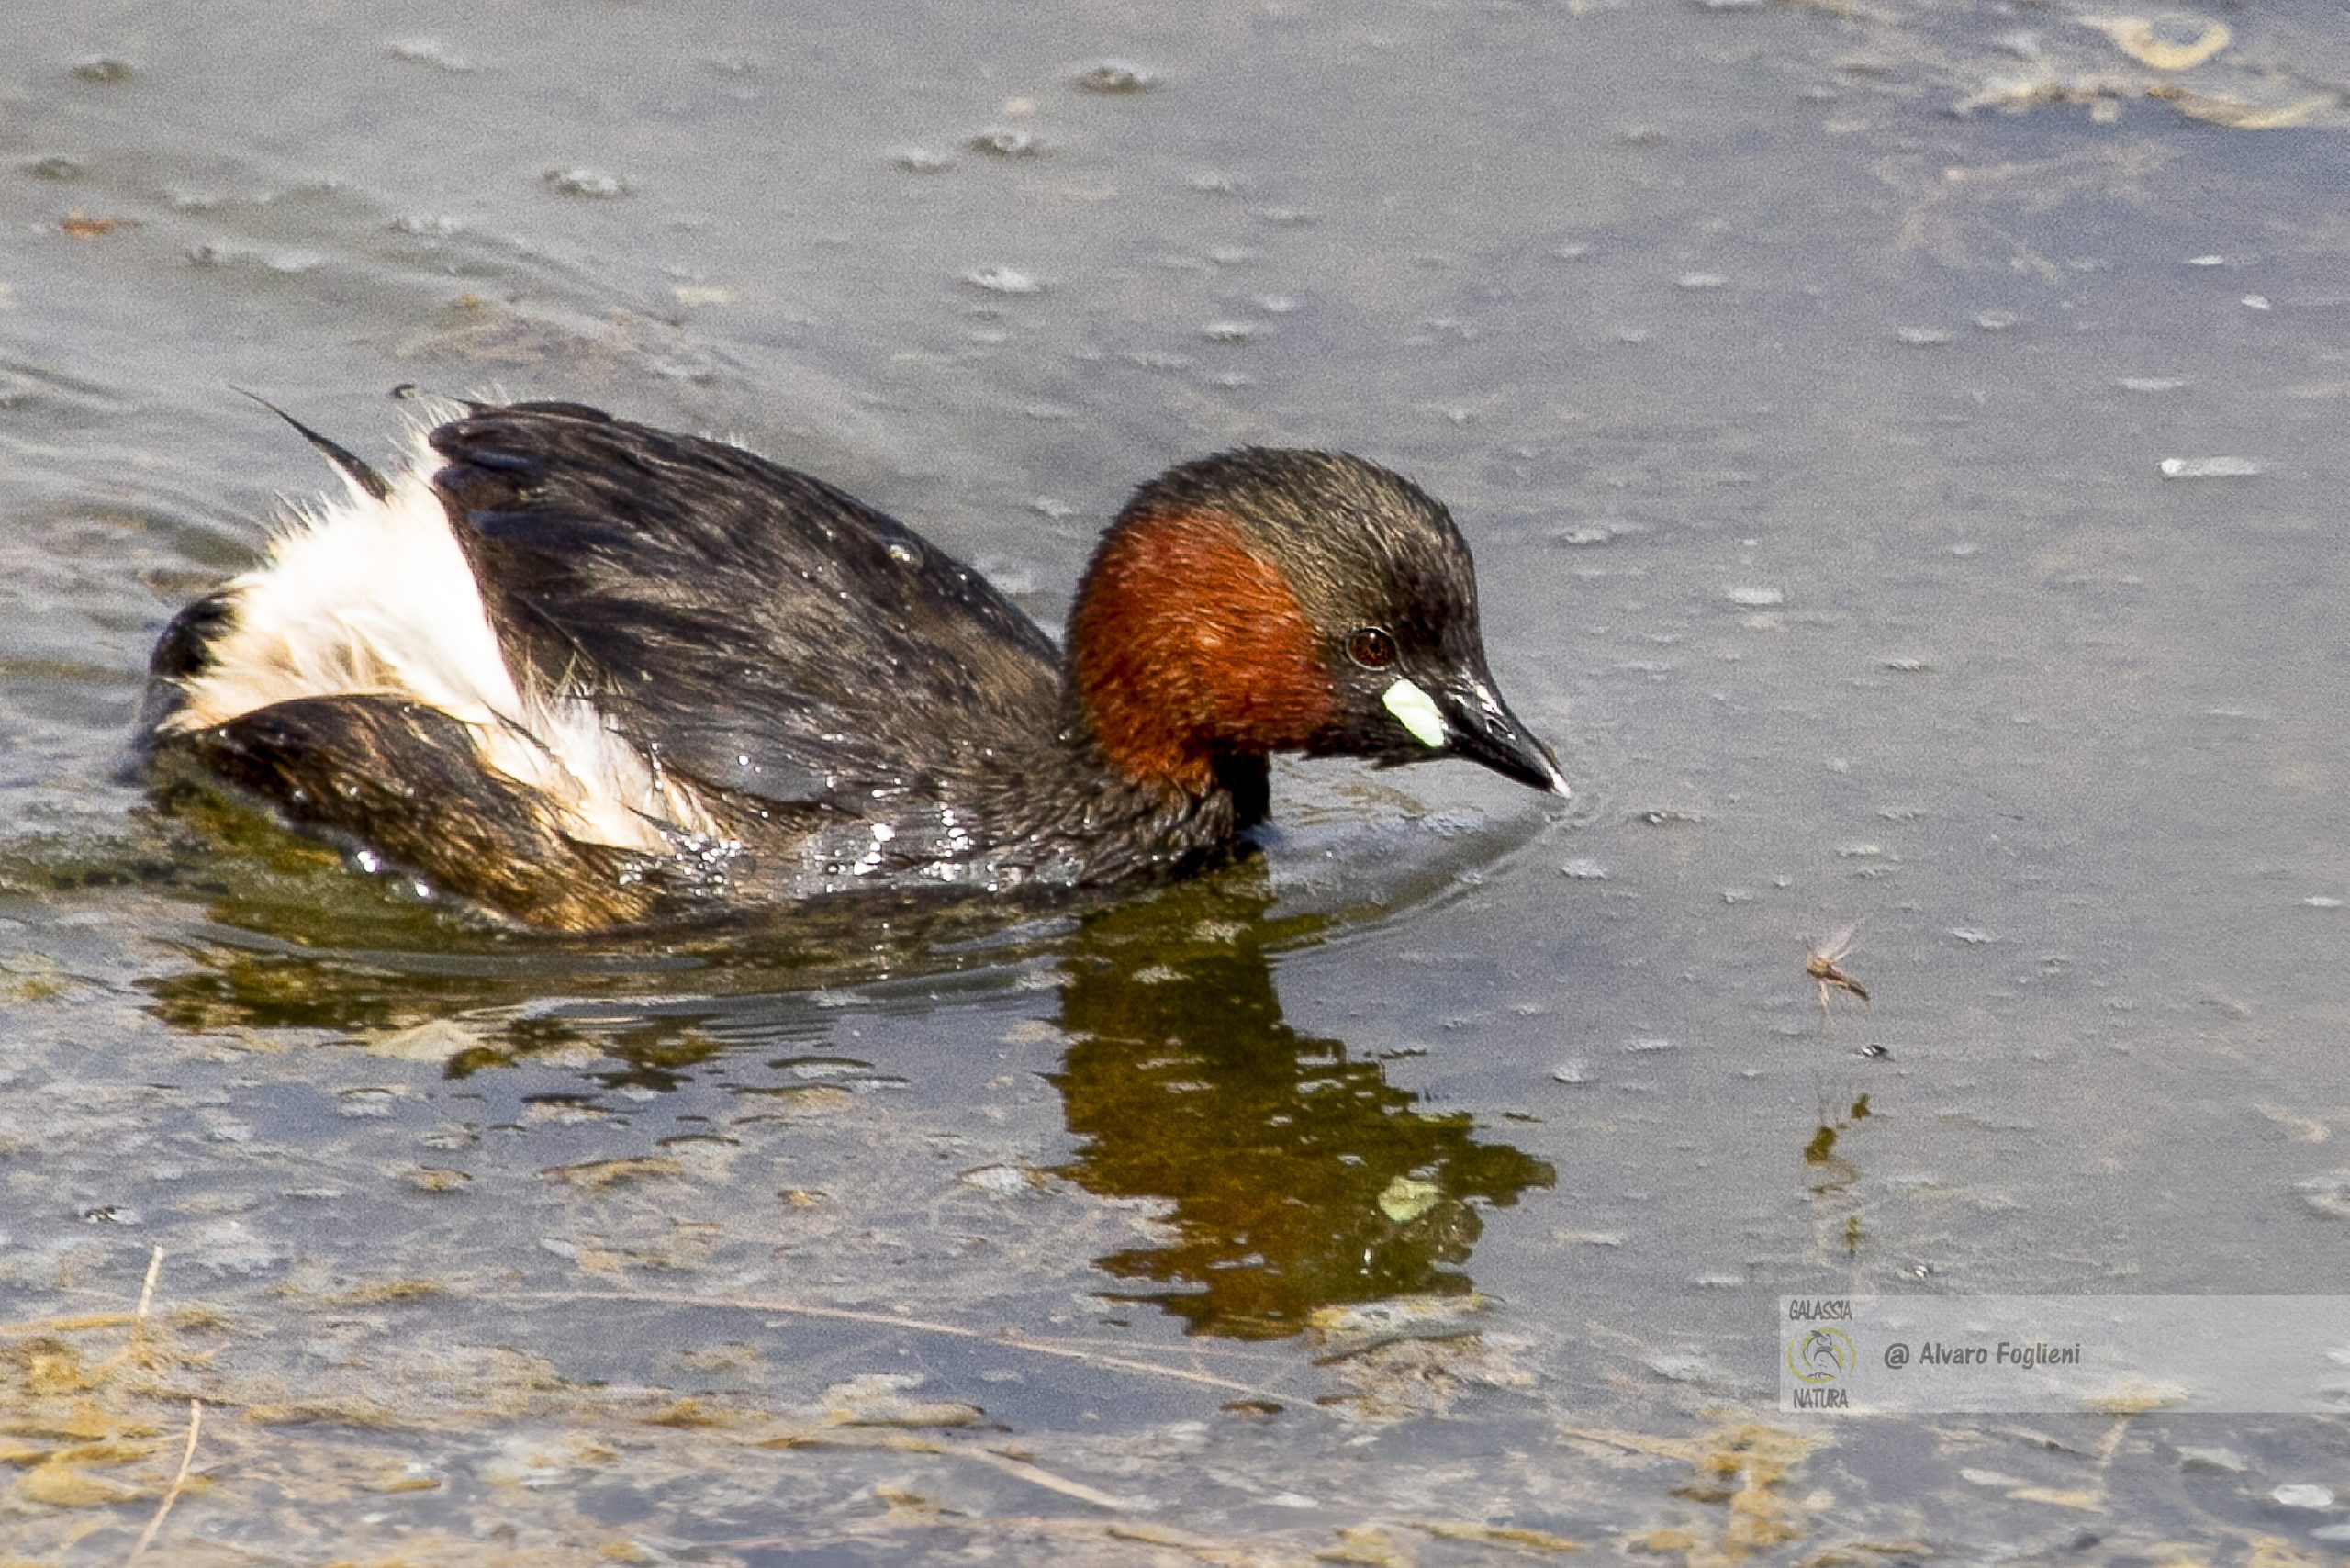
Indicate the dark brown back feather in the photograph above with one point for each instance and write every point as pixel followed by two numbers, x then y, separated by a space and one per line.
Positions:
pixel 752 627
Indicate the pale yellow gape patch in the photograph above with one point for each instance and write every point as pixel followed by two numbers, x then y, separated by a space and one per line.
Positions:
pixel 1417 712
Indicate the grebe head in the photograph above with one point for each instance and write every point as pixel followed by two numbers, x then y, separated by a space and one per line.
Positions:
pixel 1264 600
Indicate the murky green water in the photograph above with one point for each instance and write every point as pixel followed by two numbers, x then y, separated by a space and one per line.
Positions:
pixel 1420 1193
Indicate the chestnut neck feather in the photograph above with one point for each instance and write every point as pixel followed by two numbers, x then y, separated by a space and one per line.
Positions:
pixel 1187 648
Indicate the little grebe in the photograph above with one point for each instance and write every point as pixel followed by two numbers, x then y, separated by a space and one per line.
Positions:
pixel 588 674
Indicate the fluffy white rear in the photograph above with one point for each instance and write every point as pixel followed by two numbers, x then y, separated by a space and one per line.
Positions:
pixel 368 597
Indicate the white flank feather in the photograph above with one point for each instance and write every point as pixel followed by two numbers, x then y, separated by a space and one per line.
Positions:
pixel 368 597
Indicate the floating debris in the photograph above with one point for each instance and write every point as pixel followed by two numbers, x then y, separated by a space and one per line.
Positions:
pixel 880 1399
pixel 1583 871
pixel 78 224
pixel 2328 1194
pixel 105 70
pixel 2159 42
pixel 1583 533
pixel 432 52
pixel 1004 1181
pixel 923 161
pixel 592 184
pixel 1007 141
pixel 2237 115
pixel 1407 1198
pixel 1005 280
pixel 1823 964
pixel 290 263
pixel 1757 597
pixel 1404 1315
pixel 1111 77
pixel 1592 1237
pixel 595 1173
pixel 436 1039
pixel 2211 467
pixel 366 1102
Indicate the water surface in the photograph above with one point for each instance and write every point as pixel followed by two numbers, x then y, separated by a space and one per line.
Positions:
pixel 1804 378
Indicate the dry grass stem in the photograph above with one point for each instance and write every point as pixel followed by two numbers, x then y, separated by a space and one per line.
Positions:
pixel 889 1320
pixel 187 1455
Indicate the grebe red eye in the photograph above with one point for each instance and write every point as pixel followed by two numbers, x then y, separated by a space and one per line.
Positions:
pixel 1371 648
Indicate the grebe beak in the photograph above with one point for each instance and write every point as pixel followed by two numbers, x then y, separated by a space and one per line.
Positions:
pixel 1482 728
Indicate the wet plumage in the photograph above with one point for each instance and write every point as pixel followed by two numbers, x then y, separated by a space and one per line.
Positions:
pixel 586 673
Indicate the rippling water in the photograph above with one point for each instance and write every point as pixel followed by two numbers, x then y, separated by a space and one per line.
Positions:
pixel 1902 445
